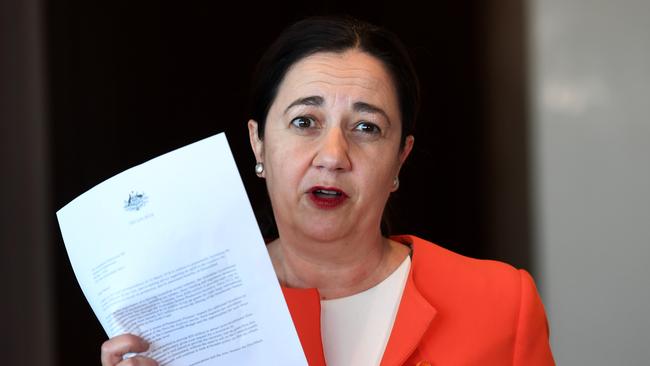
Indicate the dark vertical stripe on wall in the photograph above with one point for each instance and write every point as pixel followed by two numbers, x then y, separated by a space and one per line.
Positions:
pixel 25 210
pixel 505 160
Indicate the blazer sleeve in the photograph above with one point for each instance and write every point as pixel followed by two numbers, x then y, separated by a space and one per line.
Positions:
pixel 532 346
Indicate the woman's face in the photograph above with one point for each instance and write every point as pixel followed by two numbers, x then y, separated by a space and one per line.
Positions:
pixel 331 147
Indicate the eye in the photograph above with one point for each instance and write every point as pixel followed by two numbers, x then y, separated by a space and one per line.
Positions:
pixel 302 122
pixel 367 127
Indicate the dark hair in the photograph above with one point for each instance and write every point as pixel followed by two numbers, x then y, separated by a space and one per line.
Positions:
pixel 334 34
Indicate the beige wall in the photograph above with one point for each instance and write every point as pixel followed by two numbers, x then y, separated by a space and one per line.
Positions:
pixel 25 278
pixel 590 105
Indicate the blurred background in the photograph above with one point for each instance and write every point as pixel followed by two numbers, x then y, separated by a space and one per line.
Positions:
pixel 532 147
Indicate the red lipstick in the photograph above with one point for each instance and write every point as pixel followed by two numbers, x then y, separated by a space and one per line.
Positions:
pixel 327 198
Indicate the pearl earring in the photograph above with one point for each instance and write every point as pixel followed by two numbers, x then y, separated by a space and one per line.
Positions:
pixel 395 182
pixel 259 168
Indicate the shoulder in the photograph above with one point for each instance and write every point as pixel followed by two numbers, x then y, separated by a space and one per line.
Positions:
pixel 486 306
pixel 432 259
pixel 446 278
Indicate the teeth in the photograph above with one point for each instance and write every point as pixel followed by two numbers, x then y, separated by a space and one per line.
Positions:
pixel 325 191
pixel 328 192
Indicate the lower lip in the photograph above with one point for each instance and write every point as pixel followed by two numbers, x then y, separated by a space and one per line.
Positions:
pixel 327 203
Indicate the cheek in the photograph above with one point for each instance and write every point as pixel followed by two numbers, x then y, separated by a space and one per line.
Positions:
pixel 375 181
pixel 382 179
pixel 382 165
pixel 285 166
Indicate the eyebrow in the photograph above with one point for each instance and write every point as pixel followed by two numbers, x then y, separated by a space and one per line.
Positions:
pixel 315 100
pixel 363 107
pixel 312 100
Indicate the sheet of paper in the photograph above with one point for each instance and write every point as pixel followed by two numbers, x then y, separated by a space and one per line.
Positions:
pixel 170 250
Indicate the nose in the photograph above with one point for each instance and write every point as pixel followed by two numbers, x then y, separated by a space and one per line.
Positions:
pixel 333 151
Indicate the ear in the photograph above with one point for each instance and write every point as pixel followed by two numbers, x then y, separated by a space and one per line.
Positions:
pixel 408 146
pixel 256 143
pixel 403 154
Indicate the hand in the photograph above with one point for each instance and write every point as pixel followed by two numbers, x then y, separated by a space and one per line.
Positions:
pixel 115 348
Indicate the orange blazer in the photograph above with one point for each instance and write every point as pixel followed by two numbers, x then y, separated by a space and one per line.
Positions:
pixel 454 310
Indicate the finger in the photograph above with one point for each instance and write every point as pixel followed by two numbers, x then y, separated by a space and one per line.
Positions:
pixel 138 361
pixel 114 348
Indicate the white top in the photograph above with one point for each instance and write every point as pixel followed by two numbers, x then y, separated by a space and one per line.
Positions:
pixel 355 329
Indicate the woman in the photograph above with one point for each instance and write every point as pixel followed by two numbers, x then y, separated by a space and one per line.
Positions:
pixel 333 108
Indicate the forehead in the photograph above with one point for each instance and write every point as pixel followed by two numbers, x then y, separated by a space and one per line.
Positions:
pixel 352 75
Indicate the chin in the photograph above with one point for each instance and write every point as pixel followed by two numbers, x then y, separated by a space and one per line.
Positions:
pixel 325 232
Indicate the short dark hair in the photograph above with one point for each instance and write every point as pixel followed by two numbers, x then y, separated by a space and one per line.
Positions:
pixel 334 34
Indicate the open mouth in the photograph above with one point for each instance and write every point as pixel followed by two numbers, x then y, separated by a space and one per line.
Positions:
pixel 327 193
pixel 327 197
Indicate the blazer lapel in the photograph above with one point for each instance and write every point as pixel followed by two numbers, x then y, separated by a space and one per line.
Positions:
pixel 414 315
pixel 304 306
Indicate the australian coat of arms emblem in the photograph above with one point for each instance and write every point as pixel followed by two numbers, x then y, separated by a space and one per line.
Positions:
pixel 136 201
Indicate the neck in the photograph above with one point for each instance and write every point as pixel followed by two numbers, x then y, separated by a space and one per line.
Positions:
pixel 337 268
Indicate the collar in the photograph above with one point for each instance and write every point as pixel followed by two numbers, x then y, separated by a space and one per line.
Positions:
pixel 414 314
